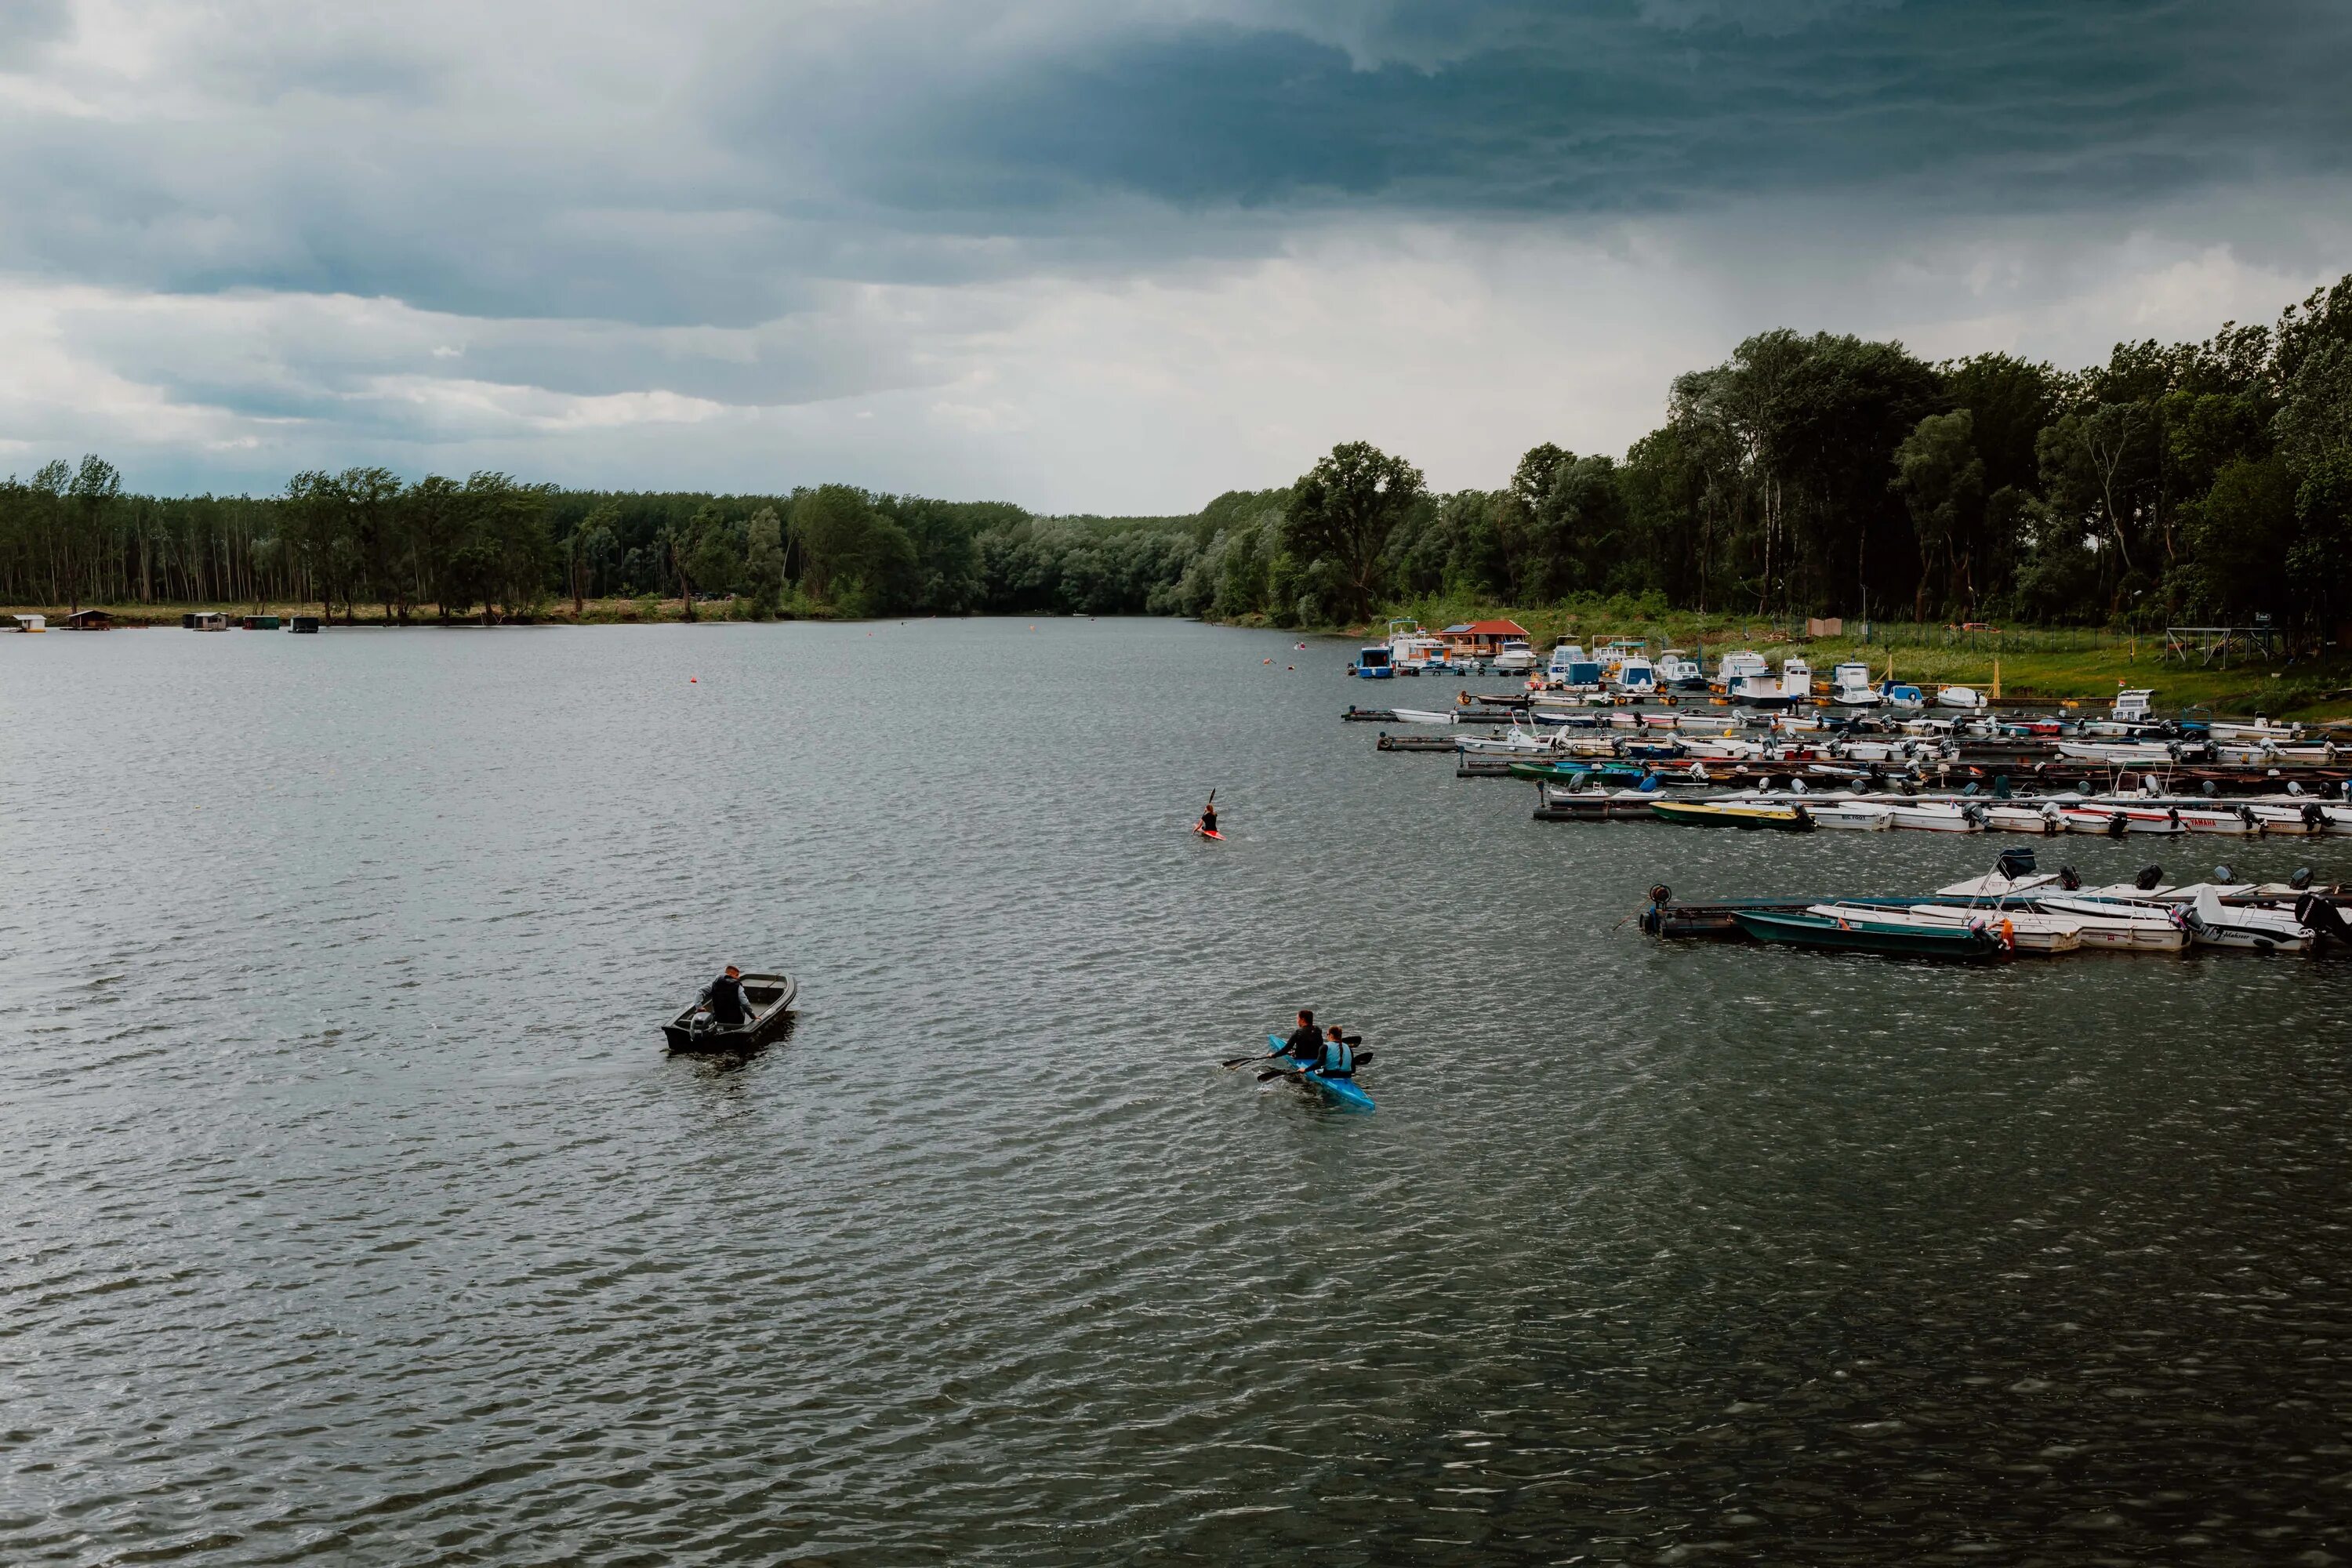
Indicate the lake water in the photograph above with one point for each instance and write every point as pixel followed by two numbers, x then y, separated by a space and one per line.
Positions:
pixel 350 1211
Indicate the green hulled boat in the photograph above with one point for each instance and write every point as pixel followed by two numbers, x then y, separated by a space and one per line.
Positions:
pixel 1907 939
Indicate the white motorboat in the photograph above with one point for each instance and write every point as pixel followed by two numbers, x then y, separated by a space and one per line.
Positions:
pixel 2288 815
pixel 1937 816
pixel 1734 668
pixel 1514 657
pixel 2022 930
pixel 1850 685
pixel 2040 817
pixel 1635 676
pixel 1967 696
pixel 2116 818
pixel 2212 923
pixel 1677 671
pixel 1570 669
pixel 2141 928
pixel 2138 753
pixel 1857 815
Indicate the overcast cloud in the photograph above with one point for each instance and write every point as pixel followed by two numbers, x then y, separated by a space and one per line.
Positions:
pixel 1100 255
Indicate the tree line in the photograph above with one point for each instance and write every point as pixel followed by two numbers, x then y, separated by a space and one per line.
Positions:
pixel 1823 474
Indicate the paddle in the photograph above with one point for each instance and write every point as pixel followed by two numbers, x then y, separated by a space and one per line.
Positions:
pixel 1230 1063
pixel 1361 1058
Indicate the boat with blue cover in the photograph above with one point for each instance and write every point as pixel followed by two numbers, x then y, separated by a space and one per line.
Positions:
pixel 1340 1093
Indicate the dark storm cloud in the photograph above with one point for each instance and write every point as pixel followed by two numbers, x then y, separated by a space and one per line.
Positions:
pixel 1510 109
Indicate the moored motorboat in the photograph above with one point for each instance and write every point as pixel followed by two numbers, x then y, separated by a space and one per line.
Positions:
pixel 1790 818
pixel 1937 816
pixel 2017 930
pixel 1857 815
pixel 2212 923
pixel 771 997
pixel 1878 933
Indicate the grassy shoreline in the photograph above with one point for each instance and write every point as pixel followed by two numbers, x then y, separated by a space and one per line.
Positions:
pixel 2065 664
pixel 593 612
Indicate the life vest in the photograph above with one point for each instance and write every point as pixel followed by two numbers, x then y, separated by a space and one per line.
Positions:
pixel 1338 1059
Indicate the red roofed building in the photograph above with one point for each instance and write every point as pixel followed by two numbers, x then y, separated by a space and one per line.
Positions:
pixel 1482 639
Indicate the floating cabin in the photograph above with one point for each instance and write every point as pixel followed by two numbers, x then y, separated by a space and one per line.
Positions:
pixel 28 623
pixel 260 623
pixel 204 621
pixel 302 624
pixel 89 621
pixel 1482 639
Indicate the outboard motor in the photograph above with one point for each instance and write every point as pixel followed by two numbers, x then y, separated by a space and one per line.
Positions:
pixel 2314 819
pixel 2301 880
pixel 2118 824
pixel 1653 919
pixel 2069 877
pixel 2149 876
pixel 1970 789
pixel 2001 786
pixel 2223 875
pixel 2321 917
pixel 2208 789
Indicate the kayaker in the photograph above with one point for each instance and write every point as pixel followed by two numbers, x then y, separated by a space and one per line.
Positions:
pixel 730 1008
pixel 1339 1058
pixel 1208 815
pixel 1306 1042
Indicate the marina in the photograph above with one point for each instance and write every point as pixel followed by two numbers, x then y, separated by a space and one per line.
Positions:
pixel 1765 756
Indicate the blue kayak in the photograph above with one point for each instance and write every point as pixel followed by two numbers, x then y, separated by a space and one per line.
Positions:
pixel 1340 1093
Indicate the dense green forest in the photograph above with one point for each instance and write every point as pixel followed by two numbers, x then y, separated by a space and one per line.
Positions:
pixel 1822 475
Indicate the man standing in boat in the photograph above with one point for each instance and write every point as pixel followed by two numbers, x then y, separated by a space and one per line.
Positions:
pixel 730 1008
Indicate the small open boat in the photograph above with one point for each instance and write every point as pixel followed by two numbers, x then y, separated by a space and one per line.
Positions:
pixel 1734 814
pixel 771 997
pixel 1863 933
pixel 1340 1093
pixel 1208 833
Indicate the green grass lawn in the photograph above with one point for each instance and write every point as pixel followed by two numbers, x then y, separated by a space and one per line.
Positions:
pixel 2071 664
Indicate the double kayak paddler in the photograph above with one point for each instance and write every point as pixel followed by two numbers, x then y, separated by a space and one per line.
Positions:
pixel 1337 1057
pixel 1306 1042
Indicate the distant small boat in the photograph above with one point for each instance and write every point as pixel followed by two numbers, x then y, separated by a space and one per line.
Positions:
pixel 1208 833
pixel 771 997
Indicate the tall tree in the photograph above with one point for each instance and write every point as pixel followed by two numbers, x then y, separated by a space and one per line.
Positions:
pixel 1344 509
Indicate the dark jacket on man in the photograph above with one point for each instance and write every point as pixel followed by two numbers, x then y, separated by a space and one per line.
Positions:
pixel 730 1008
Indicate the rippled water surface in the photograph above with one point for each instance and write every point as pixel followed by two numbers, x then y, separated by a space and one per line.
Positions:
pixel 349 1210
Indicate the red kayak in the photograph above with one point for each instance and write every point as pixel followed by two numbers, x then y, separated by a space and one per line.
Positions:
pixel 1208 833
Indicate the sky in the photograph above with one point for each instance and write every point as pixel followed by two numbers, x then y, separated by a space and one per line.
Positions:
pixel 1102 256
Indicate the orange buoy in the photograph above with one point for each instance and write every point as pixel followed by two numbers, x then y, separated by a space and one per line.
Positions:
pixel 690 679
